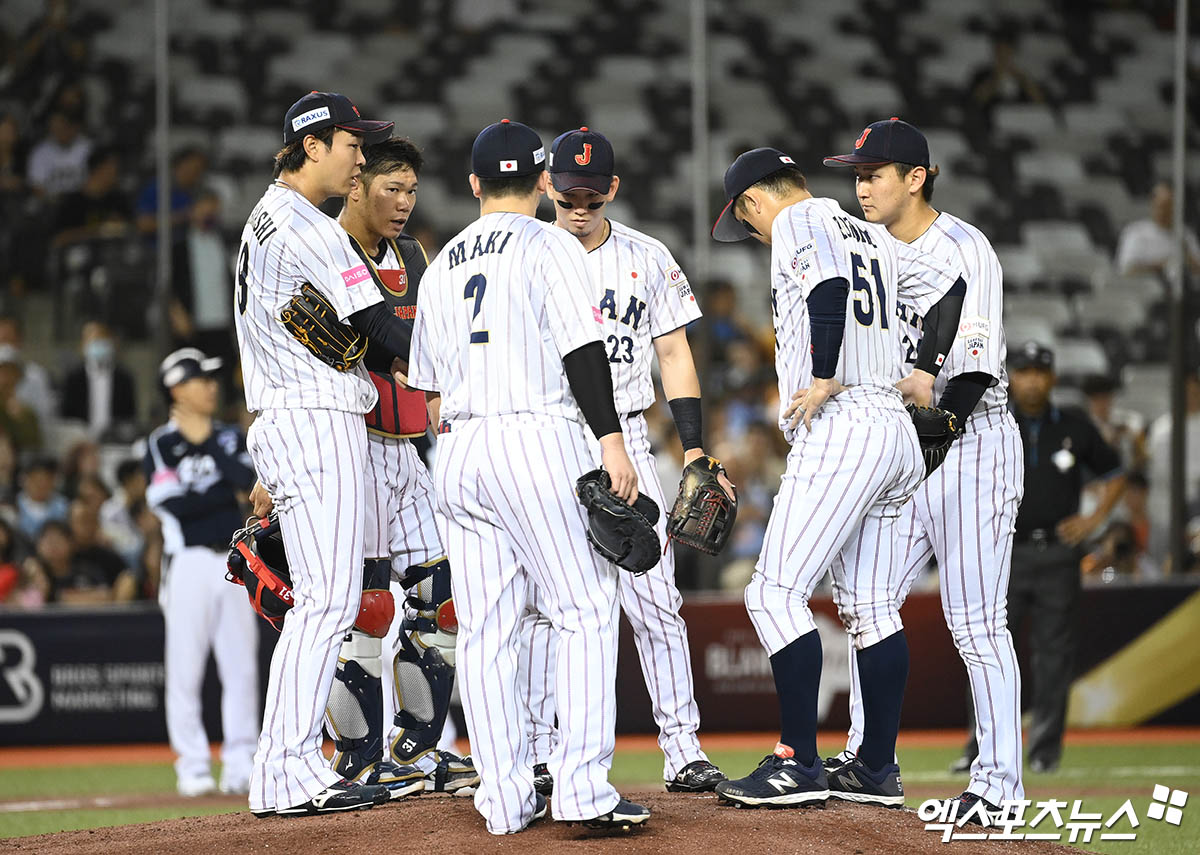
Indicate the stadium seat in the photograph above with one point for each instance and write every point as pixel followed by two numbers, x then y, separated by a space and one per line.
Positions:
pixel 1022 267
pixel 1075 358
pixel 1052 308
pixel 1019 329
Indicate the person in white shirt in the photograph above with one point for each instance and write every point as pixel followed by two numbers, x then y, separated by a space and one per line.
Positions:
pixel 1148 246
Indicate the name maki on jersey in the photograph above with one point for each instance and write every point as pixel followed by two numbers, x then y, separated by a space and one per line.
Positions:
pixel 458 252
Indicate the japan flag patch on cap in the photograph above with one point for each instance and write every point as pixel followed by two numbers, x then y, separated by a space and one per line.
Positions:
pixel 508 166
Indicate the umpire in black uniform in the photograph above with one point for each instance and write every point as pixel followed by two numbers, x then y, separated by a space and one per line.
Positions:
pixel 1061 445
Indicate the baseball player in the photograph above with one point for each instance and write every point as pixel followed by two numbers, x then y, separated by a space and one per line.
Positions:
pixel 195 468
pixel 512 344
pixel 854 463
pixel 401 540
pixel 308 442
pixel 645 304
pixel 964 514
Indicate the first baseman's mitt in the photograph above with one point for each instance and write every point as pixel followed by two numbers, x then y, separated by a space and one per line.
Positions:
pixel 257 560
pixel 622 533
pixel 313 321
pixel 703 514
pixel 936 429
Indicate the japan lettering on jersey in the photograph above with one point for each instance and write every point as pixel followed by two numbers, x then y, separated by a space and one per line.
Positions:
pixel 814 241
pixel 980 344
pixel 643 293
pixel 499 308
pixel 286 242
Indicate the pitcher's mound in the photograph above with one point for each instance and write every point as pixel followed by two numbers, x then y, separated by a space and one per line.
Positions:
pixel 692 824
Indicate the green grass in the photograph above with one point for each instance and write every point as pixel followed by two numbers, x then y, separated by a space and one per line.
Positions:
pixel 1102 776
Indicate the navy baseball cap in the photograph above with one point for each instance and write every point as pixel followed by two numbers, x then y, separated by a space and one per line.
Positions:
pixel 319 110
pixel 507 149
pixel 889 141
pixel 186 364
pixel 1031 354
pixel 749 168
pixel 582 159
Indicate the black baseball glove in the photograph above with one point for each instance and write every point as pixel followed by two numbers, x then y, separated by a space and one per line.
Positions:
pixel 313 321
pixel 703 514
pixel 622 533
pixel 936 429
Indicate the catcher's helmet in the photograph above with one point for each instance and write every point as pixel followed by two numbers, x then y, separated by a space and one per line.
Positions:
pixel 257 560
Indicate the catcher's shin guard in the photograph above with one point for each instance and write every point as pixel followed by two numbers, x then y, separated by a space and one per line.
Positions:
pixel 355 708
pixel 424 663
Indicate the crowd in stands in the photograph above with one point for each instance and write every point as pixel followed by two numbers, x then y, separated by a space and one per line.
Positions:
pixel 78 225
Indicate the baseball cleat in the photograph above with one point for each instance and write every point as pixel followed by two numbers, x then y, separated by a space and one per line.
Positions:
pixel 854 782
pixel 777 782
pixel 967 803
pixel 837 760
pixel 400 780
pixel 191 788
pixel 625 815
pixel 699 776
pixel 452 773
pixel 543 781
pixel 342 796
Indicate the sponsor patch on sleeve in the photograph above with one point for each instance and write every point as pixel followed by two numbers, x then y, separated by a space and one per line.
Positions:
pixel 678 281
pixel 355 275
pixel 974 327
pixel 803 259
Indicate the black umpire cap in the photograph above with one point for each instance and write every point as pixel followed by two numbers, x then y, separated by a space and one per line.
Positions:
pixel 319 110
pixel 750 168
pixel 507 149
pixel 185 364
pixel 582 159
pixel 889 141
pixel 1031 355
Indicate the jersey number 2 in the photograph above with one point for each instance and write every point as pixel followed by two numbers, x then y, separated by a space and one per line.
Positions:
pixel 476 285
pixel 864 309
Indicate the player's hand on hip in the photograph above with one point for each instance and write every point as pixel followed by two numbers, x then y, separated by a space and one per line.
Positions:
pixel 917 388
pixel 261 500
pixel 619 467
pixel 806 403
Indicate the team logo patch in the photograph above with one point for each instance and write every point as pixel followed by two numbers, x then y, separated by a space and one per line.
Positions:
pixel 310 117
pixel 585 158
pixel 508 166
pixel 685 290
pixel 355 275
pixel 783 158
pixel 976 346
pixel 859 142
pixel 539 155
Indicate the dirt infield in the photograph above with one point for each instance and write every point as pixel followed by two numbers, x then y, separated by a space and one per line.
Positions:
pixel 680 823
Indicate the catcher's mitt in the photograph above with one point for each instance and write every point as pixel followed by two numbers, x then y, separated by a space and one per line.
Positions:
pixel 936 429
pixel 257 560
pixel 703 514
pixel 313 321
pixel 622 533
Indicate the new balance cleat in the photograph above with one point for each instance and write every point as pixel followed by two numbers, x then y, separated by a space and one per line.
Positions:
pixel 837 760
pixel 778 781
pixel 854 782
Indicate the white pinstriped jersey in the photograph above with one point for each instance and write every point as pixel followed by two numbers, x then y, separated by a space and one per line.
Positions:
pixel 980 344
pixel 499 307
pixel 643 293
pixel 815 240
pixel 286 242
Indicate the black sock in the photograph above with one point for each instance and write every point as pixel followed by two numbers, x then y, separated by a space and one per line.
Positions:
pixel 882 672
pixel 797 670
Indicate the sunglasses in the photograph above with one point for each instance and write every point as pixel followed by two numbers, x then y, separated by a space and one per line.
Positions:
pixel 591 206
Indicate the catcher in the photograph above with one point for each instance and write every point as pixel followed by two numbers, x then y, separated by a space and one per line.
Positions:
pixel 645 303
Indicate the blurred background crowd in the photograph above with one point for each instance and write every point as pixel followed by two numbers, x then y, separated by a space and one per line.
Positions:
pixel 1050 120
